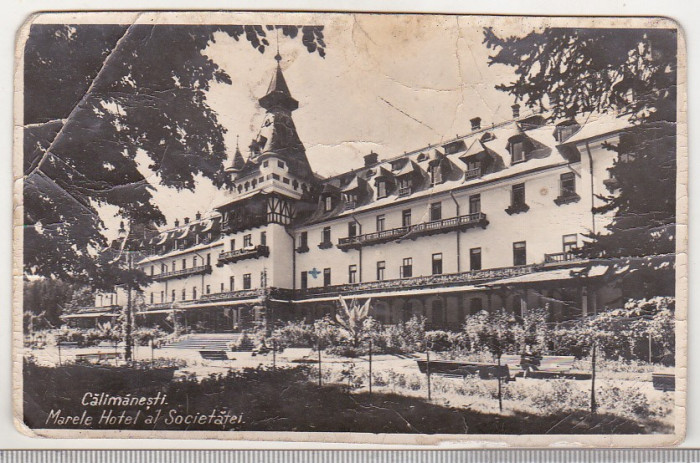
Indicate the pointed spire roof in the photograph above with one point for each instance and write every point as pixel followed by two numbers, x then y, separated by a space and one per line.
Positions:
pixel 238 161
pixel 278 94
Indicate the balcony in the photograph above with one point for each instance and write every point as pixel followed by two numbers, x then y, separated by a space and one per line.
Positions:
pixel 559 257
pixel 183 273
pixel 517 208
pixel 461 223
pixel 443 280
pixel 405 191
pixel 567 199
pixel 229 257
pixel 303 248
pixel 472 173
pixel 325 245
pixel 232 296
pixel 244 223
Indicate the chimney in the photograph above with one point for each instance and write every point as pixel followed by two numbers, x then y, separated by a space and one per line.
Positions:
pixel 476 123
pixel 371 159
pixel 187 220
pixel 516 110
pixel 177 223
pixel 198 216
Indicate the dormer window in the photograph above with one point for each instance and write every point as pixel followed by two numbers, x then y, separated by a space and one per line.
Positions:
pixel 328 204
pixel 565 130
pixel 405 186
pixel 381 189
pixel 517 151
pixel 473 170
pixel 435 174
pixel 280 164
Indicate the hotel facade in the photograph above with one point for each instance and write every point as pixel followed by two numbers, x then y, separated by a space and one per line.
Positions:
pixel 487 220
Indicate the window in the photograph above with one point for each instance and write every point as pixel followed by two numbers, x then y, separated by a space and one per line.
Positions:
pixel 570 243
pixel 435 211
pixel 304 280
pixel 406 218
pixel 174 266
pixel 517 151
pixel 184 264
pixel 327 204
pixel 233 245
pixel 152 269
pixel 381 189
pixel 381 222
pixel 474 204
pixel 275 176
pixel 407 268
pixel 405 186
pixel 437 263
pixel 381 268
pixel 519 253
pixel 435 174
pixel 567 184
pixel 352 229
pixel 194 293
pixel 475 258
pixel 280 164
pixel 184 294
pixel 517 197
pixel 162 296
pixel 246 281
pixel 263 279
pixel 352 274
pixel 208 289
pixel 473 170
pixel 326 277
pixel 266 163
pixel 221 289
pixel 326 235
pixel 163 268
pixel 475 305
pixel 194 261
pixel 152 297
pixel 285 180
pixel 263 239
pixel 208 259
pixel 231 283
pixel 173 295
pixel 304 241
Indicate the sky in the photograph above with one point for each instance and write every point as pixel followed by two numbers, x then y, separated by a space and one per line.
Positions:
pixel 387 85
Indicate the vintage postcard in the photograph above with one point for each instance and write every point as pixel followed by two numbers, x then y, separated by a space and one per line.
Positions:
pixel 409 229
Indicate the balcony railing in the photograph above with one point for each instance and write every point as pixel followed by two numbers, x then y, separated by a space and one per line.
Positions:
pixel 472 173
pixel 227 257
pixel 463 222
pixel 444 280
pixel 244 223
pixel 182 273
pixel 233 296
pixel 560 257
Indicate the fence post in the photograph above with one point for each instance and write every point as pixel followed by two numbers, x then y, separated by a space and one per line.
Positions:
pixel 427 369
pixel 370 368
pixel 500 393
pixel 594 406
pixel 318 346
pixel 274 354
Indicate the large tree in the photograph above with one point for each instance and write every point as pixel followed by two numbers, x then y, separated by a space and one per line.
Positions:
pixel 570 72
pixel 95 96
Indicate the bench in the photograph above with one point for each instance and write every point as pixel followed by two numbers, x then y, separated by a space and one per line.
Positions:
pixel 664 381
pixel 462 369
pixel 213 355
pixel 98 356
pixel 550 366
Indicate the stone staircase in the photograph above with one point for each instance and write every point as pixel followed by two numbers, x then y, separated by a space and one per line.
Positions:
pixel 205 341
pixel 210 342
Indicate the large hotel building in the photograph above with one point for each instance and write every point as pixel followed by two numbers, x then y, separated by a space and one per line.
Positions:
pixel 483 221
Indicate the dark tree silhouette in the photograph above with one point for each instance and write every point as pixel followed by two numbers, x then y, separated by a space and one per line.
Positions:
pixel 95 96
pixel 632 72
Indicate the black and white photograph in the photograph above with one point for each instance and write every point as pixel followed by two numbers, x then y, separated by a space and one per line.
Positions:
pixel 350 228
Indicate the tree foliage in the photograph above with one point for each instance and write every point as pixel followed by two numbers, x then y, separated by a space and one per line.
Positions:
pixel 569 73
pixel 95 98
